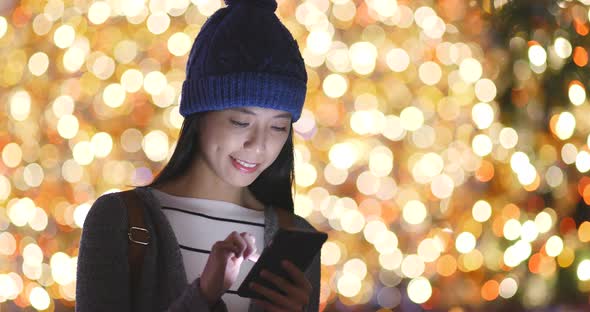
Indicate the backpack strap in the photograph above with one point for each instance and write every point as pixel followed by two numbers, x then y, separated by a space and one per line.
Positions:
pixel 139 236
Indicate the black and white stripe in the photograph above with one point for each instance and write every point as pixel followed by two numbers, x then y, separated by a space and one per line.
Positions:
pixel 212 217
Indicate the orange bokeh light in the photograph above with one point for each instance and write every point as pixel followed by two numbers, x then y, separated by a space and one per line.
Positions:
pixel 446 265
pixel 580 56
pixel 584 232
pixel 490 290
pixel 485 172
pixel 581 28
pixel 498 226
pixel 567 224
pixel 586 195
pixel 582 184
pixel 535 263
pixel 511 211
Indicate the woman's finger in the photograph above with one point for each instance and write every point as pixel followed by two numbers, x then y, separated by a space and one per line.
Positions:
pixel 254 256
pixel 226 249
pixel 237 240
pixel 250 244
pixel 249 237
pixel 293 292
pixel 273 296
pixel 297 275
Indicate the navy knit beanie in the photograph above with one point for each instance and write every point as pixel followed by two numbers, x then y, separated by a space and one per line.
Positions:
pixel 244 56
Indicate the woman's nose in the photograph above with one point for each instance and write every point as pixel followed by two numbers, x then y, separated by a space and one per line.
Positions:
pixel 256 140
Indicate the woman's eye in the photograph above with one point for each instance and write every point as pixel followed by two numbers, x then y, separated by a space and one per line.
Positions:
pixel 282 129
pixel 245 124
pixel 239 123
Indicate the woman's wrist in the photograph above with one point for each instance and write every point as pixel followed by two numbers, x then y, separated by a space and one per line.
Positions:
pixel 211 299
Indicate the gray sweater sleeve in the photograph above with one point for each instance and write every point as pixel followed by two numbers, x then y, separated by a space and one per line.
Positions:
pixel 192 300
pixel 313 273
pixel 103 271
pixel 314 276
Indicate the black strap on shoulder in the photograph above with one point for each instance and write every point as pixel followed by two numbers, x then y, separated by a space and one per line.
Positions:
pixel 139 236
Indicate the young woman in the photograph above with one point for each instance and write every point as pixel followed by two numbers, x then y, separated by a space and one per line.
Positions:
pixel 218 201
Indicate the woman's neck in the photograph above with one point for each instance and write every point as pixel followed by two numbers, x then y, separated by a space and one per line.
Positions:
pixel 186 188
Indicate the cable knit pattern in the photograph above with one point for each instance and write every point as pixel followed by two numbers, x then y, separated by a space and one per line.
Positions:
pixel 103 271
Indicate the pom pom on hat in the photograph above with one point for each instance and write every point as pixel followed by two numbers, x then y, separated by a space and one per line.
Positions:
pixel 266 4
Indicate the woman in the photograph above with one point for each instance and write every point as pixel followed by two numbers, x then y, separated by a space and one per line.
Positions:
pixel 216 203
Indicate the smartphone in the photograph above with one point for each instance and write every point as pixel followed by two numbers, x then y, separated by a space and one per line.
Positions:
pixel 297 246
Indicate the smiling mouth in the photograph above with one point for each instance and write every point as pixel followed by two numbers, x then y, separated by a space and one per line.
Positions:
pixel 243 165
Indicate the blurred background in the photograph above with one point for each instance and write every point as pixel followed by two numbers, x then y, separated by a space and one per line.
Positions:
pixel 444 145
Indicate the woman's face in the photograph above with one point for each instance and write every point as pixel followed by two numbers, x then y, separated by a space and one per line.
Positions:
pixel 239 143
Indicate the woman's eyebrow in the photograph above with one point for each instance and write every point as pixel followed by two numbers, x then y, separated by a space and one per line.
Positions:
pixel 249 112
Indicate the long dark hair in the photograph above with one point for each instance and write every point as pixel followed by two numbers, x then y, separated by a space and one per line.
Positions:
pixel 272 187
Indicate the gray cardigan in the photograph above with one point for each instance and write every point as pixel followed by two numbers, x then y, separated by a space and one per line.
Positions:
pixel 103 271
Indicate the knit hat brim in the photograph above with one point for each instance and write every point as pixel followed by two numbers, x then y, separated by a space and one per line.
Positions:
pixel 243 89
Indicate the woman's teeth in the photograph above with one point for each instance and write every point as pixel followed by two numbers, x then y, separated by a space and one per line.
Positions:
pixel 245 164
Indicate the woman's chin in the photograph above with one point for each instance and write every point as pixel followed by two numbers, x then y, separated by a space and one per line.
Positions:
pixel 241 180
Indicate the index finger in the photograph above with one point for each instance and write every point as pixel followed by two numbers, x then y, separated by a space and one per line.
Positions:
pixel 254 257
pixel 250 240
pixel 297 275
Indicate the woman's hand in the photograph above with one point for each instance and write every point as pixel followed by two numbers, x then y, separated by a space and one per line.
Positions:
pixel 223 264
pixel 297 293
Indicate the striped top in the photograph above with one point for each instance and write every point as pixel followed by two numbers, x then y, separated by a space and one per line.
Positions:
pixel 198 223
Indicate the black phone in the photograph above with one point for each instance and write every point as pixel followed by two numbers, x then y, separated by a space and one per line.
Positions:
pixel 297 246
